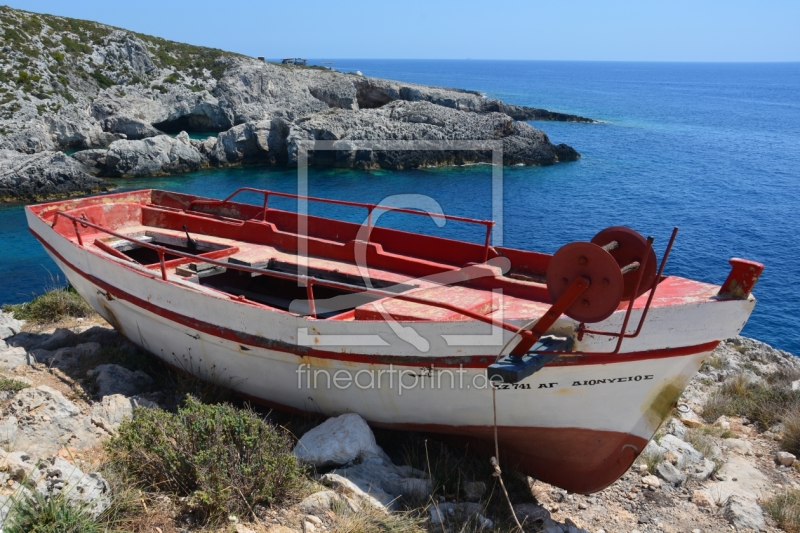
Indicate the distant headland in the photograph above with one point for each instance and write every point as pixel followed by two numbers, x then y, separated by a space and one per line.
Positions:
pixel 114 95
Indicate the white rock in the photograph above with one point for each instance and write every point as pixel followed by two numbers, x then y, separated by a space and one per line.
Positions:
pixel 12 358
pixel 57 476
pixel 738 445
pixel 309 527
pixel 114 379
pixel 651 481
pixel 785 458
pixel 685 451
pixel 19 465
pixel 338 441
pixel 744 513
pixel 370 494
pixel 702 499
pixel 112 410
pixel 313 519
pixel 323 501
pixel 796 384
pixel 40 421
pixel 9 326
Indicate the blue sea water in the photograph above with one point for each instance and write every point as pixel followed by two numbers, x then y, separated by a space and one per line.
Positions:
pixel 711 148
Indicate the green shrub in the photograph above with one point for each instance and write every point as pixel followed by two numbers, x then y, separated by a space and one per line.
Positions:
pixel 102 80
pixel 58 56
pixel 75 47
pixel 12 385
pixel 784 508
pixel 172 78
pixel 226 460
pixel 51 306
pixel 159 88
pixel 40 514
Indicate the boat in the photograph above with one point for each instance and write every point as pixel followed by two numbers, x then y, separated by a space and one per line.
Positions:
pixel 566 363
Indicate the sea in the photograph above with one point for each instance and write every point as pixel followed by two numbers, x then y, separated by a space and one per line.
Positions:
pixel 713 149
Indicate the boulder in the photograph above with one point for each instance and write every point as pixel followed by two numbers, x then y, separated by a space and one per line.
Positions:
pixel 321 502
pixel 702 499
pixel 385 481
pixel 685 451
pixel 18 465
pixel 11 358
pixel 114 379
pixel 69 356
pixel 371 495
pixel 9 325
pixel 262 142
pixel 154 156
pixel 40 421
pixel 131 128
pixel 744 513
pixel 651 481
pixel 474 490
pixel 530 513
pixel 338 441
pixel 669 473
pixel 785 458
pixel 56 476
pixel 42 176
pixel 109 413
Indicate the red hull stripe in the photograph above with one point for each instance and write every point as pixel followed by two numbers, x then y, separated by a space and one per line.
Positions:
pixel 476 361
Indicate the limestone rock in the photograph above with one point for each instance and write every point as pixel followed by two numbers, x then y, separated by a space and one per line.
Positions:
pixel 57 476
pixel 685 451
pixel 154 156
pixel 114 379
pixel 18 465
pixel 337 441
pixel 40 421
pixel 744 514
pixel 323 501
pixel 373 495
pixel 651 481
pixel 9 325
pixel 702 499
pixel 529 512
pixel 785 458
pixel 43 175
pixel 474 490
pixel 669 473
pixel 11 358
pixel 384 481
pixel 262 142
pixel 432 125
pixel 113 410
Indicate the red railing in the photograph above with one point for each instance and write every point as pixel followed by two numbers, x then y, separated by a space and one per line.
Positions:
pixel 308 281
pixel 370 208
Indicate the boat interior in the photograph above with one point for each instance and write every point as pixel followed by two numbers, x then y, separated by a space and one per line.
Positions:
pixel 255 253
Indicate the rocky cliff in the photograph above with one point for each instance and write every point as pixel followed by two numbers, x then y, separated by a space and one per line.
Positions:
pixel 70 84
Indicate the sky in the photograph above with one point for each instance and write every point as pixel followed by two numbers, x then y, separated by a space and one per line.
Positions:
pixel 610 30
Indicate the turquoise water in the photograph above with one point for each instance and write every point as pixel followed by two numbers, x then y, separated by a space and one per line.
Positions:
pixel 711 148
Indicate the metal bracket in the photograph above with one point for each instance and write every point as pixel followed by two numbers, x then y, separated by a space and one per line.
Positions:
pixel 513 369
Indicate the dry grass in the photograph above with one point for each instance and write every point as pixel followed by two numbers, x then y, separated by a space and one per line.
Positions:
pixel 372 520
pixel 784 508
pixel 791 433
pixel 763 402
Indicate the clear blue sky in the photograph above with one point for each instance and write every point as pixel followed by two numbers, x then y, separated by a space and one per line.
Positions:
pixel 622 30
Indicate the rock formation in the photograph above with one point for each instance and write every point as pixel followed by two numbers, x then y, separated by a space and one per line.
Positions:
pixel 68 84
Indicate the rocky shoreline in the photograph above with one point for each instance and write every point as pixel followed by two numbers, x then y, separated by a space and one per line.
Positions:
pixel 77 85
pixel 74 386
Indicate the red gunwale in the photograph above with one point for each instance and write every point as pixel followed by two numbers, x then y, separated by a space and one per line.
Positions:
pixel 479 361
